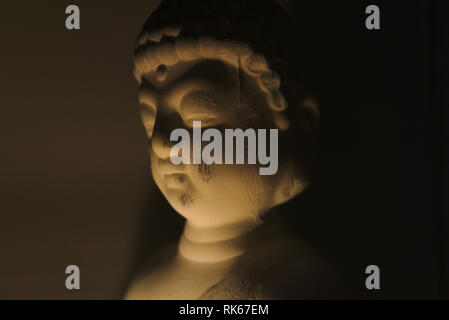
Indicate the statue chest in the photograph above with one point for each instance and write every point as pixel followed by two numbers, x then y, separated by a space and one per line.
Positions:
pixel 179 279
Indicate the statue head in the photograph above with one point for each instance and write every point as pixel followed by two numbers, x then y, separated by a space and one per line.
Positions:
pixel 229 64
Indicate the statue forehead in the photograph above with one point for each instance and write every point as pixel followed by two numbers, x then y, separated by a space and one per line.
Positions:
pixel 169 52
pixel 160 50
pixel 208 72
pixel 166 46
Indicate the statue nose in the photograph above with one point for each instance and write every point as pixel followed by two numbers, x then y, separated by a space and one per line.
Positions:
pixel 161 144
pixel 160 141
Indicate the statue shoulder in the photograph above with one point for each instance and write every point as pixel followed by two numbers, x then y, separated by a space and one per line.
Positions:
pixel 282 268
pixel 287 268
pixel 301 272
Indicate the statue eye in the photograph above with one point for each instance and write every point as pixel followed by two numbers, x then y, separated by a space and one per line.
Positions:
pixel 200 106
pixel 206 118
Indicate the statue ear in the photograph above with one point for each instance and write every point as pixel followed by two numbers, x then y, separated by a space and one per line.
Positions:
pixel 307 117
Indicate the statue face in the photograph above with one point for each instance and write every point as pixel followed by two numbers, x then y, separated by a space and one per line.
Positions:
pixel 221 97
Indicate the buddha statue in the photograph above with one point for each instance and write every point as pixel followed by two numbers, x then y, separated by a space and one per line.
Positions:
pixel 228 65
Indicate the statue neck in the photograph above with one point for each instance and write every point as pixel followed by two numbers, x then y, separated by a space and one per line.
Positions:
pixel 216 243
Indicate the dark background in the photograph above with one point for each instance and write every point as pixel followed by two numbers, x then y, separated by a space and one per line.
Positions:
pixel 75 182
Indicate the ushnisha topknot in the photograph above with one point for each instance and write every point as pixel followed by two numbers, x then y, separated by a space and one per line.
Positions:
pixel 251 35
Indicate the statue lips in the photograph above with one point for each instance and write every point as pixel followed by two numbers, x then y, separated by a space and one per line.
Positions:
pixel 165 166
pixel 175 181
pixel 174 175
